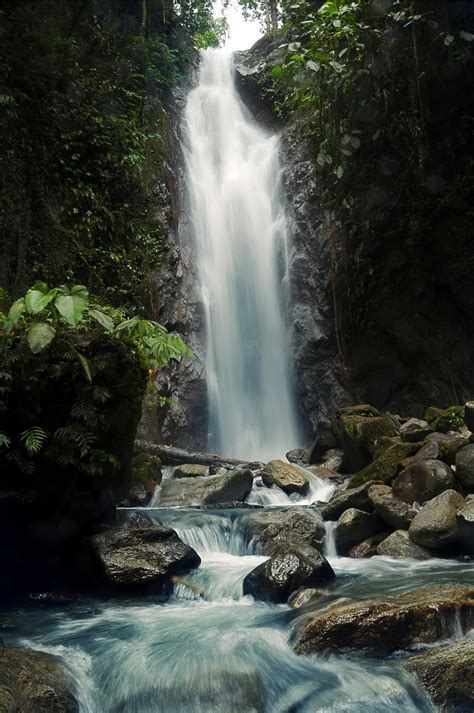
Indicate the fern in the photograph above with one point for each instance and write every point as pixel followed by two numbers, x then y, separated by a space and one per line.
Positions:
pixel 4 440
pixel 33 439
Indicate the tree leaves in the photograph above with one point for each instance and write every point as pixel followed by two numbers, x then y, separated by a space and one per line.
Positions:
pixel 40 334
pixel 71 303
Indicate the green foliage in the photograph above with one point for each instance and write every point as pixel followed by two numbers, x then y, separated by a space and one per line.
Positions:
pixel 215 36
pixel 61 356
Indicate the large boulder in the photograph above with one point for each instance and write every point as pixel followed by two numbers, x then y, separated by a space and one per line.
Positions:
pixel 139 557
pixel 271 528
pixel 399 546
pixel 389 623
pixel 33 682
pixel 216 489
pixel 386 466
pixel 448 675
pixel 288 569
pixel 287 477
pixel 391 509
pixel 423 480
pixel 358 429
pixel 354 526
pixel 465 467
pixel 350 498
pixel 436 524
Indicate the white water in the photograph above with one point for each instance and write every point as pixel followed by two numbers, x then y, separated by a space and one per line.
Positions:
pixel 233 176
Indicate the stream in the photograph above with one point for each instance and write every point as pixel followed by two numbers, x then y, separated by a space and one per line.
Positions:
pixel 210 649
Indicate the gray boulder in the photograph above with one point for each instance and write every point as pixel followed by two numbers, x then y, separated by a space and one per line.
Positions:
pixel 448 675
pixel 288 569
pixel 190 470
pixel 414 430
pixel 138 557
pixel 193 492
pixel 399 546
pixel 272 528
pixel 436 524
pixel 391 509
pixel 353 498
pixel 354 526
pixel 422 480
pixel 33 682
pixel 286 476
pixel 465 467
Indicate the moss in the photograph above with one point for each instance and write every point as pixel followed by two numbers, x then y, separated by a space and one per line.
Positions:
pixel 359 434
pixel 145 467
pixel 450 420
pixel 386 466
pixel 432 413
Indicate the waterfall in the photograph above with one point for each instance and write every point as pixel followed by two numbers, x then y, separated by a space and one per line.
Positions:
pixel 240 232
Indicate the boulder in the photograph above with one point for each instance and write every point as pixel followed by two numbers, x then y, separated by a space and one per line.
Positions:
pixel 190 470
pixel 323 442
pixel 386 466
pixel 358 428
pixel 333 459
pixel 449 445
pixel 423 480
pixel 33 682
pixel 432 413
pixel 302 597
pixel 298 456
pixel 391 509
pixel 287 477
pixel 447 674
pixel 353 498
pixel 451 419
pixel 215 489
pixel 324 473
pixel 367 548
pixel 354 526
pixel 272 527
pixel 288 569
pixel 436 524
pixel 138 557
pixel 465 467
pixel 385 624
pixel 465 527
pixel 399 546
pixel 414 430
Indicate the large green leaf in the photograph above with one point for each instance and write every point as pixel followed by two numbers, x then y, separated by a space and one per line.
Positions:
pixel 40 335
pixel 103 319
pixel 71 303
pixel 38 297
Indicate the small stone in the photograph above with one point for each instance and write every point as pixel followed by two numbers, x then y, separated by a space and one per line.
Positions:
pixel 190 470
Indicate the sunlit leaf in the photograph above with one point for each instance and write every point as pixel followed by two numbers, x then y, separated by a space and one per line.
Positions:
pixel 71 303
pixel 40 334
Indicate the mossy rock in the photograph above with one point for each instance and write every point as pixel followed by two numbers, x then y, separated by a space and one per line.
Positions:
pixel 432 413
pixel 145 467
pixel 386 466
pixel 359 430
pixel 450 420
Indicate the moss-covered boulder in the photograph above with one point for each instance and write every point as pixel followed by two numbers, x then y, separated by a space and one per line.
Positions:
pixel 358 429
pixel 145 476
pixel 448 675
pixel 386 466
pixel 451 419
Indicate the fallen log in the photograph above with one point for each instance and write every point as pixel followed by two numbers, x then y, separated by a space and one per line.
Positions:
pixel 169 455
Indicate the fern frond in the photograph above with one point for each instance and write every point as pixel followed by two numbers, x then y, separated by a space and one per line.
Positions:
pixel 34 439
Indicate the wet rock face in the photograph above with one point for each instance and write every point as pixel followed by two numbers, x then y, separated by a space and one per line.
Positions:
pixel 354 526
pixel 33 682
pixel 387 624
pixel 286 476
pixel 391 509
pixel 272 528
pixel 288 569
pixel 448 675
pixel 192 492
pixel 359 428
pixel 138 557
pixel 353 498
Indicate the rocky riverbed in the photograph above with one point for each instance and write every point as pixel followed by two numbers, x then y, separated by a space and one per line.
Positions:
pixel 340 578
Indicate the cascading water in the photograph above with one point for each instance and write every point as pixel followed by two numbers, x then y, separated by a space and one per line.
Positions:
pixel 233 176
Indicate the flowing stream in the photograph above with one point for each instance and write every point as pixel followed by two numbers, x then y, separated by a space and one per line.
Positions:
pixel 233 176
pixel 209 649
